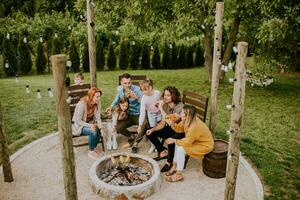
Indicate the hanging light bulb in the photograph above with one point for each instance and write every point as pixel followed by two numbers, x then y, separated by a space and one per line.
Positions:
pixel 50 93
pixel 151 47
pixel 8 36
pixel 17 78
pixel 27 90
pixel 229 107
pixel 230 65
pixel 38 94
pixel 170 45
pixel 56 35
pixel 69 27
pixel 69 64
pixel 6 64
pixel 117 32
pixel 202 26
pixel 25 40
pixel 68 100
pixel 235 50
pixel 133 43
pixel 231 80
pixel 41 39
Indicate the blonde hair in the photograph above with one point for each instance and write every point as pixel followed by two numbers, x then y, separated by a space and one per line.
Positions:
pixel 146 83
pixel 79 75
pixel 191 116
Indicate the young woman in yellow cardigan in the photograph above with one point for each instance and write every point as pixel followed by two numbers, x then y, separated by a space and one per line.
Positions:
pixel 198 141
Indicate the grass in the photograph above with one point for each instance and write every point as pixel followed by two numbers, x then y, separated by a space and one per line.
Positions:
pixel 270 133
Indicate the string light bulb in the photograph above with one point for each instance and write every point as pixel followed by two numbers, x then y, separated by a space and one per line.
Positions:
pixel 38 94
pixel 50 94
pixel 8 36
pixel 17 78
pixel 6 64
pixel 229 107
pixel 235 50
pixel 231 80
pixel 41 39
pixel 202 26
pixel 25 40
pixel 56 35
pixel 133 43
pixel 27 90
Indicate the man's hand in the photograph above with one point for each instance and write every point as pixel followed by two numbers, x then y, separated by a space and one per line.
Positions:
pixel 132 95
pixel 108 110
pixel 150 131
pixel 170 141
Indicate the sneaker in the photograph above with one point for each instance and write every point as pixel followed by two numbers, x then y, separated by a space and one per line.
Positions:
pixel 152 149
pixel 108 145
pixel 134 150
pixel 93 155
pixel 114 144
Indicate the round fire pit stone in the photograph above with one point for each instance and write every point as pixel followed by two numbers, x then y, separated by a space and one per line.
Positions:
pixel 139 191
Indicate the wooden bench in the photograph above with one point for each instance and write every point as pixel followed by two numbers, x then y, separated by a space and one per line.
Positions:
pixel 200 102
pixel 76 92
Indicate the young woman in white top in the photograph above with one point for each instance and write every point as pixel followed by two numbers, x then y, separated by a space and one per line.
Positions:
pixel 149 109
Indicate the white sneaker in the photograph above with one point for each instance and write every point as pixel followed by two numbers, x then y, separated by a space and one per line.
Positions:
pixel 108 145
pixel 152 148
pixel 115 143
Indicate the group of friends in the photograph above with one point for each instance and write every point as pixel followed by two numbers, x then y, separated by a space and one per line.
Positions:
pixel 173 129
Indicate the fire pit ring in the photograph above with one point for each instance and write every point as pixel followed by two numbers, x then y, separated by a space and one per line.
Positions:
pixel 139 191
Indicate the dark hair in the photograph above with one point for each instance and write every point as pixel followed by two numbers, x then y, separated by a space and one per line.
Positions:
pixel 174 93
pixel 126 75
pixel 118 107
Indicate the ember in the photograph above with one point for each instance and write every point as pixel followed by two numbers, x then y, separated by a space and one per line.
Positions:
pixel 122 172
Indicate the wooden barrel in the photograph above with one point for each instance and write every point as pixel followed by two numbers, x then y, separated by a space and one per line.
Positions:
pixel 214 163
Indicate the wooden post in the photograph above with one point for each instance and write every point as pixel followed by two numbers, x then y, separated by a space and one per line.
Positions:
pixel 92 43
pixel 64 125
pixel 216 66
pixel 236 121
pixel 8 177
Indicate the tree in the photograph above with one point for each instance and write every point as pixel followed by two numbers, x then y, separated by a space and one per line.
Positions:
pixel 174 56
pixel 74 57
pixel 156 58
pixel 24 58
pixel 134 55
pixel 85 58
pixel 100 55
pixel 123 55
pixel 9 57
pixel 182 57
pixel 40 62
pixel 166 57
pixel 199 59
pixel 56 46
pixel 111 57
pixel 189 57
pixel 145 57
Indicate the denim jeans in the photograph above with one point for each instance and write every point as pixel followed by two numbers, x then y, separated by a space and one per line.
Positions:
pixel 94 136
pixel 153 118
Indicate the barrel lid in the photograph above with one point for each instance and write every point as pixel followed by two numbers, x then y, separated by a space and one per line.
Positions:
pixel 220 146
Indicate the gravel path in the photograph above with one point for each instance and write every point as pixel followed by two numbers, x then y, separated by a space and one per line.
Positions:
pixel 38 176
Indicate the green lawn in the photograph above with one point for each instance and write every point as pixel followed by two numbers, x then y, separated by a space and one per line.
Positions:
pixel 270 134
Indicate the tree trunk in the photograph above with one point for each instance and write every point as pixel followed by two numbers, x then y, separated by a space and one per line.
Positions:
pixel 208 51
pixel 7 171
pixel 231 39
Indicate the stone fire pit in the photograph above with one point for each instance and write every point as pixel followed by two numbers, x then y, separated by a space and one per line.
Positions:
pixel 125 176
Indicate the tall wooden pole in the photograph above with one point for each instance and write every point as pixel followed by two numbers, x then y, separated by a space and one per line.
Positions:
pixel 92 43
pixel 8 176
pixel 236 121
pixel 64 125
pixel 216 66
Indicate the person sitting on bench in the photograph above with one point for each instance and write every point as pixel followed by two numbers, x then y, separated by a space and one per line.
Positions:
pixel 198 141
pixel 134 95
pixel 87 120
pixel 172 106
pixel 78 78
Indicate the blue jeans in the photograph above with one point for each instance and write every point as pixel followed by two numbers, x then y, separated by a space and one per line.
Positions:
pixel 94 136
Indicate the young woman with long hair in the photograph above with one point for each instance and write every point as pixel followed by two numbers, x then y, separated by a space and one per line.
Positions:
pixel 87 120
pixel 198 141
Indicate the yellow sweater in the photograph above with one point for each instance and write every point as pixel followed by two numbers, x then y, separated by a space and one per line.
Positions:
pixel 198 140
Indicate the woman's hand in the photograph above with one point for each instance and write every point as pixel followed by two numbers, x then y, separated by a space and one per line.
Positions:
pixel 170 140
pixel 94 127
pixel 150 131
